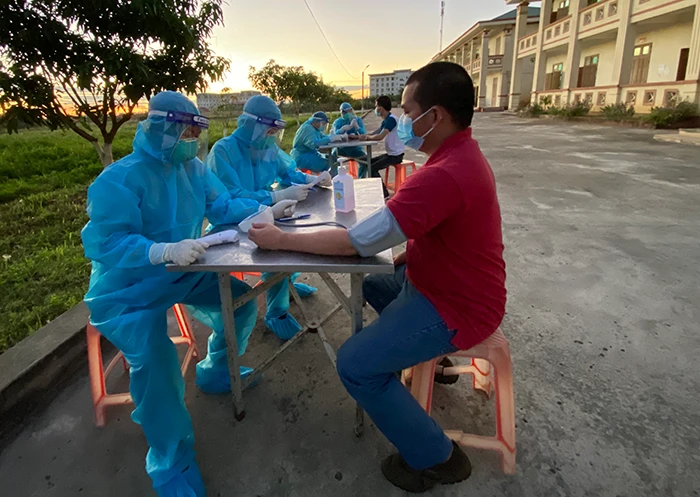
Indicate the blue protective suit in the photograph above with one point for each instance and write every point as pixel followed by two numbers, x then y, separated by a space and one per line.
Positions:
pixel 140 200
pixel 305 148
pixel 353 152
pixel 249 172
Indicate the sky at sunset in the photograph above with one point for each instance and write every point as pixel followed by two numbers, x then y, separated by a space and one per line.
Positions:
pixel 386 34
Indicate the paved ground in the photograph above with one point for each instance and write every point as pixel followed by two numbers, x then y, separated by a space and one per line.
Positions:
pixel 601 231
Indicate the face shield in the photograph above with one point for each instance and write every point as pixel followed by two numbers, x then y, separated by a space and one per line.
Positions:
pixel 267 131
pixel 348 115
pixel 186 134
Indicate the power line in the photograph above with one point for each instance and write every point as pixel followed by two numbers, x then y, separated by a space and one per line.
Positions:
pixel 328 42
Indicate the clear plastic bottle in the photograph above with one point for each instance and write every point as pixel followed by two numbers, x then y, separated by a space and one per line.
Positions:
pixel 344 190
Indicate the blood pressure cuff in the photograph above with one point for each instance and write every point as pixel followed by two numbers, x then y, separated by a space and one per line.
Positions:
pixel 378 232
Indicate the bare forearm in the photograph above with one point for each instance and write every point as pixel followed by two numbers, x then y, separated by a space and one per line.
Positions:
pixel 326 242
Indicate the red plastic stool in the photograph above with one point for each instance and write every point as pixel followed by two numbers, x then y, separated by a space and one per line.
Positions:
pixel 100 398
pixel 352 168
pixel 493 351
pixel 400 173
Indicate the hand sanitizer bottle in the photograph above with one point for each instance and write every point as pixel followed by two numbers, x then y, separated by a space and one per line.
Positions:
pixel 344 190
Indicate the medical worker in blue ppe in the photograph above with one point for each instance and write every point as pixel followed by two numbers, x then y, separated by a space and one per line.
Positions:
pixel 249 162
pixel 348 123
pixel 147 210
pixel 308 138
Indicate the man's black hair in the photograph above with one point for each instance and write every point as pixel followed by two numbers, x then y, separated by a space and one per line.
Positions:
pixel 448 85
pixel 384 102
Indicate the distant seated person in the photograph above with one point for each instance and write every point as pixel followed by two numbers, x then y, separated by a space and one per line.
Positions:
pixel 348 123
pixel 308 139
pixel 394 147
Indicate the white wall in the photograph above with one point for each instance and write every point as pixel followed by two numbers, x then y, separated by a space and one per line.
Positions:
pixel 665 50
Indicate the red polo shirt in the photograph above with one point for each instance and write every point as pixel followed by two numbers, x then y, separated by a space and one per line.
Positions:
pixel 449 212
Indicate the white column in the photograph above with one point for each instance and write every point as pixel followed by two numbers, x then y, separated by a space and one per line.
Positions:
pixel 515 67
pixel 573 54
pixel 540 56
pixel 624 52
pixel 506 71
pixel 484 69
pixel 693 71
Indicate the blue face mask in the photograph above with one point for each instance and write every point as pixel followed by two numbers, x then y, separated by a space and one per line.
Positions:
pixel 405 131
pixel 377 113
pixel 185 149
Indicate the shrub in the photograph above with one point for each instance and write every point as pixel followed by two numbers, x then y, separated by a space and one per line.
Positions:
pixel 618 112
pixel 662 117
pixel 534 110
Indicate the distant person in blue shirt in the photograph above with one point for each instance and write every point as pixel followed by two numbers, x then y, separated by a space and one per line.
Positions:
pixel 349 123
pixel 394 147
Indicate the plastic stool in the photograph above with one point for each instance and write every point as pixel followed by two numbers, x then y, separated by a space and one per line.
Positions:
pixel 352 168
pixel 400 173
pixel 100 398
pixel 493 351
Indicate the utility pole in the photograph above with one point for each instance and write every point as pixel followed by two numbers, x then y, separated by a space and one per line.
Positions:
pixel 363 87
pixel 442 19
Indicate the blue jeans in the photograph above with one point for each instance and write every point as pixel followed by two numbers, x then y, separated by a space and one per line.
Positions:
pixel 409 331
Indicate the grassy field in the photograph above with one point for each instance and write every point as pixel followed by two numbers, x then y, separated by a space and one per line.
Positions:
pixel 44 177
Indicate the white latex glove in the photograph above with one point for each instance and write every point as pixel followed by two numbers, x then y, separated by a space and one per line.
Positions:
pixel 324 179
pixel 354 124
pixel 346 128
pixel 339 138
pixel 294 192
pixel 181 253
pixel 284 208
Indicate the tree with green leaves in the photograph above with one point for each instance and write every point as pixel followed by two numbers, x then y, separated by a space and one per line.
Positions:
pixel 84 66
pixel 290 83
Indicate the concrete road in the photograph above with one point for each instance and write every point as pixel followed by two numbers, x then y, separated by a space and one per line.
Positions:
pixel 601 230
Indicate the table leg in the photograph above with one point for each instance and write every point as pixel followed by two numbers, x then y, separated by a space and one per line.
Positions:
pixel 227 309
pixel 369 161
pixel 356 318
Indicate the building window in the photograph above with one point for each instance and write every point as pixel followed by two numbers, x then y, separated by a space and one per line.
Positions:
pixel 631 98
pixel 640 64
pixel 600 14
pixel 601 98
pixel 682 64
pixel 567 25
pixel 649 97
pixel 587 74
pixel 498 45
pixel 552 81
pixel 670 98
pixel 587 18
pixel 612 10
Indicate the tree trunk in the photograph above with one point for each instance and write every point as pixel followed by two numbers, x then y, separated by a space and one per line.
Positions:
pixel 104 152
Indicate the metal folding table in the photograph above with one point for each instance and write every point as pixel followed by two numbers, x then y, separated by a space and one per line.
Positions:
pixel 245 256
pixel 367 144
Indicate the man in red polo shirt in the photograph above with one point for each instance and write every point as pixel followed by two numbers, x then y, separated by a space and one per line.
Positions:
pixel 448 290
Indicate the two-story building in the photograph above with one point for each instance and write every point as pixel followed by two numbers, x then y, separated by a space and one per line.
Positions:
pixel 486 51
pixel 643 53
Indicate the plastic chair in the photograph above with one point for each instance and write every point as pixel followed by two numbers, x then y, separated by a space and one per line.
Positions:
pixel 400 173
pixel 493 351
pixel 100 398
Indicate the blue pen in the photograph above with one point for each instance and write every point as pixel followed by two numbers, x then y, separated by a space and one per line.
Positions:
pixel 294 218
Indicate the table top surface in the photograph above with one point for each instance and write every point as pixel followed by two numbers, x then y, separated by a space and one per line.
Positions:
pixel 355 143
pixel 246 256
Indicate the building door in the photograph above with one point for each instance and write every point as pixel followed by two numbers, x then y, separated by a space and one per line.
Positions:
pixel 494 93
pixel 640 64
pixel 587 74
pixel 682 64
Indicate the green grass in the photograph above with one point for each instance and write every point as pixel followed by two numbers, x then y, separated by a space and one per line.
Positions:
pixel 44 177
